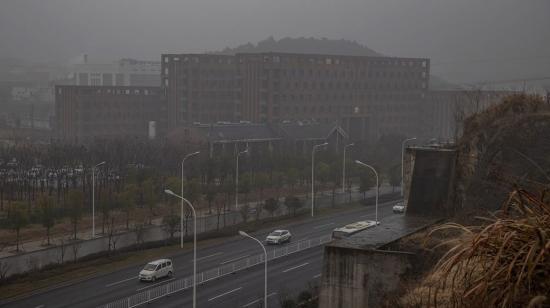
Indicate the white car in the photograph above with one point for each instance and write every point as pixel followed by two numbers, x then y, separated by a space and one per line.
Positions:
pixel 157 269
pixel 278 237
pixel 399 208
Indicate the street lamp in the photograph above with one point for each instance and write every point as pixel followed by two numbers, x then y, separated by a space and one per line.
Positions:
pixel 376 174
pixel 315 149
pixel 168 191
pixel 181 218
pixel 93 196
pixel 344 168
pixel 403 161
pixel 237 180
pixel 242 233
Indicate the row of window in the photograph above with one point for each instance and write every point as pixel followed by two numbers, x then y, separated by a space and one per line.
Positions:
pixel 302 73
pixel 297 60
pixel 108 90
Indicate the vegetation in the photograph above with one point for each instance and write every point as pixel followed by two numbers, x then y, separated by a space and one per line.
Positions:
pixel 130 186
pixel 503 263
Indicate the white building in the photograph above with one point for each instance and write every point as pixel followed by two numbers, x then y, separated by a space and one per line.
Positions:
pixel 125 72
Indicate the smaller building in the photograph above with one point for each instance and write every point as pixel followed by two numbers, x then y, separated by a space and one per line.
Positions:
pixel 226 138
pixel 84 113
pixel 125 72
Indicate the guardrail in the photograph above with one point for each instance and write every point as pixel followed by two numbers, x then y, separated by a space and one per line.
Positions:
pixel 185 283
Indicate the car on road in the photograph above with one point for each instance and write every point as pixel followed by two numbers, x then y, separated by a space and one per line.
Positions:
pixel 278 237
pixel 157 269
pixel 399 208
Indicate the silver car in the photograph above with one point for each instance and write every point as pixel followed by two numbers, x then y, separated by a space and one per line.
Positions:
pixel 278 237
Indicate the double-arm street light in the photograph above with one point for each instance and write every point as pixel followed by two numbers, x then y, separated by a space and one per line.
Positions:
pixel 181 218
pixel 376 174
pixel 344 167
pixel 168 191
pixel 237 180
pixel 315 149
pixel 242 233
pixel 403 161
pixel 93 196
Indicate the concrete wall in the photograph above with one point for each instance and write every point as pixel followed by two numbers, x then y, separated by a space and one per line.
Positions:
pixel 71 250
pixel 429 180
pixel 360 278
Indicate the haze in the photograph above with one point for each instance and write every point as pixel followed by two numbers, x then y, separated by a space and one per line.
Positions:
pixel 467 40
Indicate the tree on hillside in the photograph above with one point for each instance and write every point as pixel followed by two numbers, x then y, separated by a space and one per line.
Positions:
pixel 278 182
pixel 367 181
pixel 149 197
pixel 171 222
pixel 292 176
pixel 271 205
pixel 245 212
pixel 126 202
pixel 18 219
pixel 45 205
pixel 211 192
pixel 395 176
pixel 293 203
pixel 105 208
pixel 75 211
pixel 261 182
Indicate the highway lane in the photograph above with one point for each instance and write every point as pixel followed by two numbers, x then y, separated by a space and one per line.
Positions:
pixel 122 283
pixel 286 276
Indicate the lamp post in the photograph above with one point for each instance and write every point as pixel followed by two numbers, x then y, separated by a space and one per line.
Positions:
pixel 93 196
pixel 376 174
pixel 242 233
pixel 181 216
pixel 168 191
pixel 403 161
pixel 315 149
pixel 237 180
pixel 344 168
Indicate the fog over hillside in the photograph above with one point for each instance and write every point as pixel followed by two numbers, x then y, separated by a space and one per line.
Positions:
pixel 467 40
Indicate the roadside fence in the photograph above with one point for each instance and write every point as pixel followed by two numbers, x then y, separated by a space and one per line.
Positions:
pixel 152 294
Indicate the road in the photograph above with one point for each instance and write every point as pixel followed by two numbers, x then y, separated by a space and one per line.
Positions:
pixel 231 291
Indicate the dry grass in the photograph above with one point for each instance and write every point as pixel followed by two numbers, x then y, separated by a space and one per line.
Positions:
pixel 504 263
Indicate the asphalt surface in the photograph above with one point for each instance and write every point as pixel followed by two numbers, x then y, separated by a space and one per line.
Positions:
pixel 287 274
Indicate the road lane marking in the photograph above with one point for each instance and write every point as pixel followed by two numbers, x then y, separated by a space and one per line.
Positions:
pixel 121 281
pixel 41 306
pixel 234 259
pixel 259 299
pixel 321 226
pixel 147 287
pixel 223 294
pixel 297 266
pixel 206 257
pixel 316 276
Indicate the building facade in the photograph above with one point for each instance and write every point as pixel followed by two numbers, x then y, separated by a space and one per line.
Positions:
pixel 125 72
pixel 84 113
pixel 370 96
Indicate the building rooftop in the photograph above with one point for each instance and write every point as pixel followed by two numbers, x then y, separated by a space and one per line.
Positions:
pixel 299 131
pixel 390 229
pixel 237 131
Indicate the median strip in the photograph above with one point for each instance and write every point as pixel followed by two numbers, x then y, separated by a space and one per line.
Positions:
pixel 322 226
pixel 259 299
pixel 235 259
pixel 209 256
pixel 156 284
pixel 295 267
pixel 121 281
pixel 224 294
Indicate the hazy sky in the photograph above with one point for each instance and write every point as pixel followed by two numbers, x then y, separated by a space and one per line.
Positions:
pixel 467 40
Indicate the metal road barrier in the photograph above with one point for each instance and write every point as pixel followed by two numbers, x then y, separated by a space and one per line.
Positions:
pixel 186 283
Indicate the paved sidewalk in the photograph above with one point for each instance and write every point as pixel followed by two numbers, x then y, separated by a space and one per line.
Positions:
pixel 30 246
